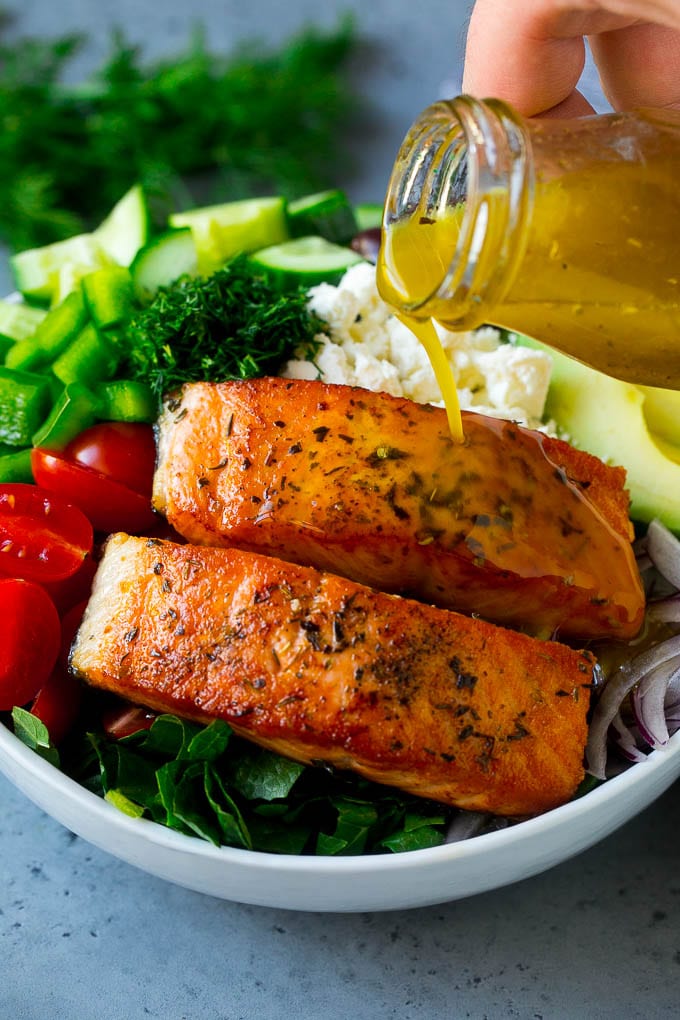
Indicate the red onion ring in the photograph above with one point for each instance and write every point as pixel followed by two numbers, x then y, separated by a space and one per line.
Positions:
pixel 614 694
pixel 467 824
pixel 648 704
pixel 625 740
pixel 663 549
pixel 665 610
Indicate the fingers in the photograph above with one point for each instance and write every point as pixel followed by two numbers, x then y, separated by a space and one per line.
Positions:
pixel 532 54
pixel 639 66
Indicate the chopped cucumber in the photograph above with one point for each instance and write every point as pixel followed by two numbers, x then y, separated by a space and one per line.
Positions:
pixel 326 213
pixel 368 215
pixel 163 261
pixel 222 231
pixel 52 272
pixel 40 273
pixel 126 229
pixel 18 321
pixel 305 261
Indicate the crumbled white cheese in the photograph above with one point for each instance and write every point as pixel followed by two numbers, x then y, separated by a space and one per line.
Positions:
pixel 368 346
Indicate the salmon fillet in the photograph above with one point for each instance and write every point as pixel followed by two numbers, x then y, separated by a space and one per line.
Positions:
pixel 324 670
pixel 512 525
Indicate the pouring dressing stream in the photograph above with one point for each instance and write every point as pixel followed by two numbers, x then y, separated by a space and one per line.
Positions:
pixel 565 230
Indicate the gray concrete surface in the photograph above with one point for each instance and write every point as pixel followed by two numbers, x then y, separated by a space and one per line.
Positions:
pixel 86 937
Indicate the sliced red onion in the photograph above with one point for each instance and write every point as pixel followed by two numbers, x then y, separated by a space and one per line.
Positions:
pixel 467 824
pixel 614 694
pixel 625 740
pixel 648 702
pixel 665 610
pixel 663 549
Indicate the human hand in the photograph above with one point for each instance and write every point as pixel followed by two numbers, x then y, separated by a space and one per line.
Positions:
pixel 531 53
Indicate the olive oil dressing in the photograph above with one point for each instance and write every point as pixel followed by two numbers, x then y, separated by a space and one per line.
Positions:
pixel 566 231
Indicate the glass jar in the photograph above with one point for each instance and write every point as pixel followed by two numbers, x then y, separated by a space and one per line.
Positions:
pixel 565 230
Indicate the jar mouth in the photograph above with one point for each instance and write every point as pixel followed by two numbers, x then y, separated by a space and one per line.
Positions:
pixel 464 173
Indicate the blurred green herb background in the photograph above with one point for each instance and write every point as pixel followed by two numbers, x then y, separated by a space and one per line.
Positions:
pixel 194 127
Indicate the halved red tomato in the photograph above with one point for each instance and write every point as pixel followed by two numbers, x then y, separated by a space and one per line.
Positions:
pixel 30 636
pixel 42 537
pixel 57 703
pixel 123 451
pixel 107 471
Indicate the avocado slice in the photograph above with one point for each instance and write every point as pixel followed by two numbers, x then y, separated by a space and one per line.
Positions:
pixel 662 413
pixel 607 417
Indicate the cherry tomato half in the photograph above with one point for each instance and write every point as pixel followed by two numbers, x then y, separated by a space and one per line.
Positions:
pixel 42 538
pixel 30 636
pixel 123 451
pixel 109 505
pixel 57 703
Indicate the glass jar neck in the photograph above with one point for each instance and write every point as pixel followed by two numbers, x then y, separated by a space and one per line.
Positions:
pixel 457 211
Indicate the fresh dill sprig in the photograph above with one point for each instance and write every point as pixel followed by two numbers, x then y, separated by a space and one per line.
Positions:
pixel 254 122
pixel 234 324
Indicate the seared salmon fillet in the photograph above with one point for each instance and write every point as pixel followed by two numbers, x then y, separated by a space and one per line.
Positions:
pixel 322 669
pixel 511 524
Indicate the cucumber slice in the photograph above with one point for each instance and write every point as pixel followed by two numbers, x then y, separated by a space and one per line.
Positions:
pixel 326 213
pixel 163 261
pixel 126 229
pixel 40 272
pixel 19 321
pixel 368 215
pixel 222 231
pixel 305 261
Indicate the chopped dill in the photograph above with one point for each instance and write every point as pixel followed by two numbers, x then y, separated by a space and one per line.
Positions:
pixel 233 324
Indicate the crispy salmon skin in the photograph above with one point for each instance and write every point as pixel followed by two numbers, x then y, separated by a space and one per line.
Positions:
pixel 511 524
pixel 322 669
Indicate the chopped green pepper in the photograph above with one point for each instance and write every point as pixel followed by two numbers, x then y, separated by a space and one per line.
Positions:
pixel 74 411
pixel 25 399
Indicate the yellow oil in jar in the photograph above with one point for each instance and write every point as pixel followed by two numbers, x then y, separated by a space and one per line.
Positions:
pixel 599 278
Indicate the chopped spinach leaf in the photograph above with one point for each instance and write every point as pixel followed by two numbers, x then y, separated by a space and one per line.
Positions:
pixel 206 782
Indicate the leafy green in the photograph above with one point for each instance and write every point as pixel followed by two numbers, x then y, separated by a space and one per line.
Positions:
pixel 32 732
pixel 233 324
pixel 257 121
pixel 206 782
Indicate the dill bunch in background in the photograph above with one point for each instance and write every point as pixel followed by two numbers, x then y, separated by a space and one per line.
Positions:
pixel 251 122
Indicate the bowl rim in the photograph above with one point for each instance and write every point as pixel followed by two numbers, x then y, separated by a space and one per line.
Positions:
pixel 154 833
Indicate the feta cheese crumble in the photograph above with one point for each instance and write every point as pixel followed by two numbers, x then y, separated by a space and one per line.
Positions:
pixel 368 346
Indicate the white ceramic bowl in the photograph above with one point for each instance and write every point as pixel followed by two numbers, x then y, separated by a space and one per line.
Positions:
pixel 381 882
